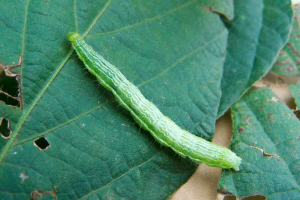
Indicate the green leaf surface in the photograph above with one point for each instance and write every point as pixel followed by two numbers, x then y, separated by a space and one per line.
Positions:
pixel 173 50
pixel 257 32
pixel 11 28
pixel 288 62
pixel 267 138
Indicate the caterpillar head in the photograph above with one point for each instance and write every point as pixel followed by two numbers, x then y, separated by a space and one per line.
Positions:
pixel 73 36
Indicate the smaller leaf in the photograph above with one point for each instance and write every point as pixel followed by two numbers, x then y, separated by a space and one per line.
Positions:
pixel 256 34
pixel 288 63
pixel 267 137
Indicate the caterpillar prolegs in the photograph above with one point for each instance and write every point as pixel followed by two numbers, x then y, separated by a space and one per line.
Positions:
pixel 148 116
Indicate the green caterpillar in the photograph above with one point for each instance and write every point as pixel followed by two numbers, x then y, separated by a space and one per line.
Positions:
pixel 148 116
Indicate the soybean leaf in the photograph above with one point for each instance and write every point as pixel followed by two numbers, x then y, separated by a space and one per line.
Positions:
pixel 267 138
pixel 288 62
pixel 173 50
pixel 256 34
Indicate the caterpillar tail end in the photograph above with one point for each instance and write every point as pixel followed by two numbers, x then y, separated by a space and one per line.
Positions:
pixel 73 36
pixel 237 164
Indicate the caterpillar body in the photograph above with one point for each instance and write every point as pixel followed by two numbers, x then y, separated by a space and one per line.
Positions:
pixel 148 116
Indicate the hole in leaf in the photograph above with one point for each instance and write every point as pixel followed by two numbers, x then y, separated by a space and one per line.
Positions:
pixel 254 197
pixel 42 143
pixel 9 90
pixel 241 130
pixel 23 177
pixel 38 194
pixel 276 80
pixel 230 197
pixel 297 113
pixel 5 130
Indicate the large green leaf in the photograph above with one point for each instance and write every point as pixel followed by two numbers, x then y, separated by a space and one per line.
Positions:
pixel 267 138
pixel 260 28
pixel 173 50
